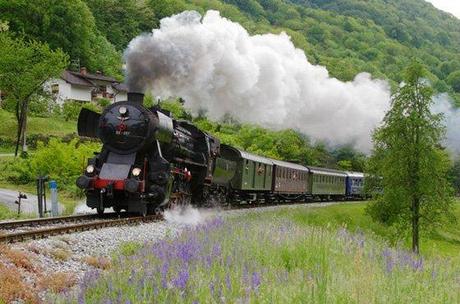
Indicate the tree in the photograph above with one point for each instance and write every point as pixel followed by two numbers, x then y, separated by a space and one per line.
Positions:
pixel 63 24
pixel 410 164
pixel 24 68
pixel 454 81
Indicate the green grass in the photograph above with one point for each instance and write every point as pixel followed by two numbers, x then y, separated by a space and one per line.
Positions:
pixel 36 125
pixel 6 214
pixel 445 241
pixel 66 198
pixel 267 257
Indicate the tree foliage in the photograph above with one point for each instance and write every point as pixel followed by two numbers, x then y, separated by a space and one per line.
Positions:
pixel 24 68
pixel 408 165
pixel 63 24
pixel 346 36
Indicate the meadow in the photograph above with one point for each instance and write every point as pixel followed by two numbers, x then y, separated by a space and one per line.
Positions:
pixel 272 257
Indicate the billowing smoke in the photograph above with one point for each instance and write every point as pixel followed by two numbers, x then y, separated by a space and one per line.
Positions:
pixel 215 65
pixel 443 104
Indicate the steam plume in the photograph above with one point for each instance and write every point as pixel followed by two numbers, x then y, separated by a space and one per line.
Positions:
pixel 443 104
pixel 215 65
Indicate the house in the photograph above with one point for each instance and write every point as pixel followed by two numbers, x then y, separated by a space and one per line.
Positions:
pixel 85 87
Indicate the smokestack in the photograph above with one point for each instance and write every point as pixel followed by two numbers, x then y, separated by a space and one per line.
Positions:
pixel 136 97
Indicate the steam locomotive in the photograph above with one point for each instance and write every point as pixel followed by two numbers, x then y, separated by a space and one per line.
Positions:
pixel 150 161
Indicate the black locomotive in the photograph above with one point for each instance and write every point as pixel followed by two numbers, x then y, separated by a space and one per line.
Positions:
pixel 150 161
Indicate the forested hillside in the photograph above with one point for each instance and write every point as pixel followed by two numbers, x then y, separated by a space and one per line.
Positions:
pixel 347 36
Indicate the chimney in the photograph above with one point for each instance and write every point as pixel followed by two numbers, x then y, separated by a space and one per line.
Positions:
pixel 136 97
pixel 83 70
pixel 98 73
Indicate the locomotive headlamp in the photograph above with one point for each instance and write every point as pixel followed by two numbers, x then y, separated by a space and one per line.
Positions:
pixel 90 169
pixel 122 110
pixel 136 172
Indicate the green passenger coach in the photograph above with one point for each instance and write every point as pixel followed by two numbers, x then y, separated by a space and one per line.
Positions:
pixel 327 182
pixel 252 172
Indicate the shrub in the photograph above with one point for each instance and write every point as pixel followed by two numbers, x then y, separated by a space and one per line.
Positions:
pixel 13 288
pixel 103 102
pixel 61 161
pixel 71 109
pixel 98 262
pixel 42 106
pixel 57 282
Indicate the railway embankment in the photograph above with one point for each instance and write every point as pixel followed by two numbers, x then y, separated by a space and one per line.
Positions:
pixel 275 254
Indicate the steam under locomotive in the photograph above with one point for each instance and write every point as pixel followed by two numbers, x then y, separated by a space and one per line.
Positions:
pixel 150 161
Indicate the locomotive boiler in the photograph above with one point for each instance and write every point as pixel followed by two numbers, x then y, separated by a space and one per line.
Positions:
pixel 148 160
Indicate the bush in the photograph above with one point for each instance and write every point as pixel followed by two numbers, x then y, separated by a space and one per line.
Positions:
pixel 42 106
pixel 61 161
pixel 71 109
pixel 103 102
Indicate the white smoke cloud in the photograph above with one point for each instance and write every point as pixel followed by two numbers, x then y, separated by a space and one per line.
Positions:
pixel 214 64
pixel 443 104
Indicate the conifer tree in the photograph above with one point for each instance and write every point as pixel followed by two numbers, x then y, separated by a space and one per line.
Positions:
pixel 410 167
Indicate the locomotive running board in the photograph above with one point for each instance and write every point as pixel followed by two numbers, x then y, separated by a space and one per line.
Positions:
pixel 88 122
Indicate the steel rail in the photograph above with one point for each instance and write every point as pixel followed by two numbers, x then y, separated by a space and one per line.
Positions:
pixel 43 233
pixel 51 220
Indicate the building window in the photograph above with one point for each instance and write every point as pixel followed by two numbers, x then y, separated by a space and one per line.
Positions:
pixel 55 88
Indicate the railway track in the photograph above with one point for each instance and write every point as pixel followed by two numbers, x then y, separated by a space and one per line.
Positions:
pixel 22 230
pixel 42 228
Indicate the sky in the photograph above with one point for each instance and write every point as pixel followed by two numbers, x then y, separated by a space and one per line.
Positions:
pixel 451 6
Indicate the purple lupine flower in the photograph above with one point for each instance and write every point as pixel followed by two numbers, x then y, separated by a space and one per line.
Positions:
pixel 211 288
pixel 164 272
pixel 245 274
pixel 389 264
pixel 110 287
pixel 417 264
pixel 255 282
pixel 182 279
pixel 208 261
pixel 216 250
pixel 228 282
pixel 81 298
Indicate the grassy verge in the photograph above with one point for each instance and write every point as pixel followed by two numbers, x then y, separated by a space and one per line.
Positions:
pixel 67 199
pixel 445 241
pixel 268 258
pixel 36 125
pixel 6 214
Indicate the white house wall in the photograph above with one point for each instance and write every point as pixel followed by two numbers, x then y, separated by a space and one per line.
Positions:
pixel 80 93
pixel 68 91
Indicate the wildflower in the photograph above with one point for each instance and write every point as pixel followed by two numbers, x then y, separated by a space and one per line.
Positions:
pixel 181 281
pixel 211 288
pixel 255 282
pixel 417 264
pixel 164 272
pixel 228 282
pixel 216 250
